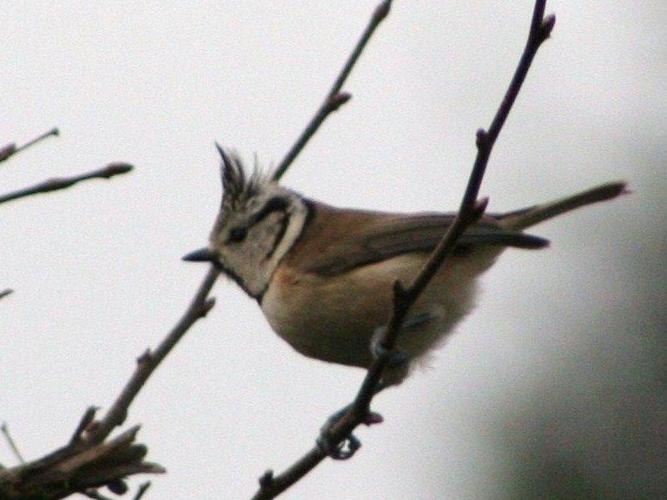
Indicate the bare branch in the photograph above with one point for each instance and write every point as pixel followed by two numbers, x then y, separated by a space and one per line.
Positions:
pixel 10 149
pixel 86 420
pixel 95 495
pixel 5 292
pixel 90 432
pixel 149 361
pixel 470 210
pixel 64 182
pixel 78 467
pixel 334 98
pixel 12 444
pixel 88 461
pixel 142 490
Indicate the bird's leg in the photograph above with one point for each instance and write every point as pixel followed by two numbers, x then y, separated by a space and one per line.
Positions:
pixel 397 358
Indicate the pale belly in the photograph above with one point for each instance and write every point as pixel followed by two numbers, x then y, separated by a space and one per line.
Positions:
pixel 334 318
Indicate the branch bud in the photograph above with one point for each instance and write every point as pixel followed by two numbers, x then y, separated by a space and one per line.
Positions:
pixel 547 26
pixel 480 138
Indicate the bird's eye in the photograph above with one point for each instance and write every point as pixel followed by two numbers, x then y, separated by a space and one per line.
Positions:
pixel 238 234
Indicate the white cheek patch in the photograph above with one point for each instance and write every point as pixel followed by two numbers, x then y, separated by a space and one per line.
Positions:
pixel 297 219
pixel 255 260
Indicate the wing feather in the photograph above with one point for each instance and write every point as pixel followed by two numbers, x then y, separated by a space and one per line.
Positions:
pixel 357 238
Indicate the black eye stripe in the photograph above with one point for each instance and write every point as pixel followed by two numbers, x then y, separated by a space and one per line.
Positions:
pixel 275 204
pixel 237 234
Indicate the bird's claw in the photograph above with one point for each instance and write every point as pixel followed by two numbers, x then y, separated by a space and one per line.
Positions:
pixel 341 451
pixel 394 357
pixel 347 447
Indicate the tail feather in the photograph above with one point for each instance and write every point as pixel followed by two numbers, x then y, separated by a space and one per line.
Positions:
pixel 526 217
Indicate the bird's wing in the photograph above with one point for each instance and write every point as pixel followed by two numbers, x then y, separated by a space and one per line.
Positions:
pixel 358 238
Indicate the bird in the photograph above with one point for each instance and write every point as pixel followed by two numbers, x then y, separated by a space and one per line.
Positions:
pixel 323 276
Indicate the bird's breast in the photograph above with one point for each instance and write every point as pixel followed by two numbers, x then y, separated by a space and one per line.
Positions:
pixel 333 318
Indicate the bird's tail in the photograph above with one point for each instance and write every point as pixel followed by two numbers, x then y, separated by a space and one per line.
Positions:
pixel 526 217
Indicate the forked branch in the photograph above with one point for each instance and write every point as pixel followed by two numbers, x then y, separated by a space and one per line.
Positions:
pixel 9 150
pixel 78 466
pixel 89 459
pixel 471 209
pixel 150 360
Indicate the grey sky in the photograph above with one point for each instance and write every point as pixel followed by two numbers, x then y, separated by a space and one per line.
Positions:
pixel 97 268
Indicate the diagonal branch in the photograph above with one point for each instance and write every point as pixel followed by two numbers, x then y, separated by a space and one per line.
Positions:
pixel 470 210
pixel 150 360
pixel 334 98
pixel 11 149
pixel 77 467
pixel 57 183
pixel 142 490
pixel 12 444
pixel 89 460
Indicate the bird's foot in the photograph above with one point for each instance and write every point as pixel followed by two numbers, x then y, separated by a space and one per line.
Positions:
pixel 397 358
pixel 347 447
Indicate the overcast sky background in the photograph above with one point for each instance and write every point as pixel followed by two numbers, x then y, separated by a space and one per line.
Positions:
pixel 563 354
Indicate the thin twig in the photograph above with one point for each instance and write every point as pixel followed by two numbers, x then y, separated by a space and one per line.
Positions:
pixel 470 210
pixel 64 182
pixel 80 467
pixel 90 433
pixel 95 495
pixel 87 419
pixel 5 292
pixel 334 98
pixel 142 490
pixel 11 149
pixel 150 360
pixel 53 132
pixel 11 442
pixel 87 444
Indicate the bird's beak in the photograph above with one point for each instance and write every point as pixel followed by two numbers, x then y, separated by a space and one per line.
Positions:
pixel 201 255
